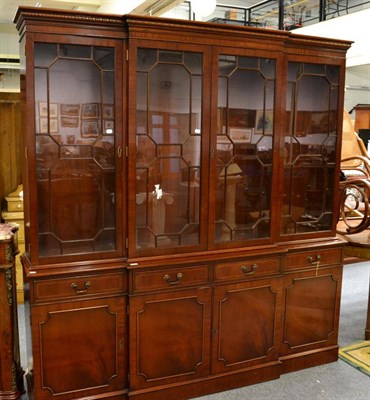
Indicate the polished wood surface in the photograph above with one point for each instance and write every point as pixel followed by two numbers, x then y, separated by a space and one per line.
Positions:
pixel 362 120
pixel 221 159
pixel 246 324
pixel 93 362
pixel 11 143
pixel 180 348
pixel 11 373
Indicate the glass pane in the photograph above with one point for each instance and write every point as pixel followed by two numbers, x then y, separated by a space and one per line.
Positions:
pixel 45 54
pixel 104 57
pixel 74 51
pixel 227 64
pixel 168 148
pixel 248 62
pixel 193 61
pixel 146 59
pixel 170 56
pixel 244 149
pixel 310 142
pixel 74 100
pixel 108 95
pixel 268 68
pixel 74 194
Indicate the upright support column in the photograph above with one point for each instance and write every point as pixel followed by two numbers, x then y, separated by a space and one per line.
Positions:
pixel 367 329
pixel 11 374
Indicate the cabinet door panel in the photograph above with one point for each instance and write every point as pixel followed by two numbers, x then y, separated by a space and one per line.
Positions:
pixel 170 142
pixel 81 348
pixel 244 148
pixel 311 130
pixel 246 324
pixel 77 172
pixel 170 337
pixel 311 310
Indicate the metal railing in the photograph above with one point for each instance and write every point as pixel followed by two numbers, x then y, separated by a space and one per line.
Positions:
pixel 283 14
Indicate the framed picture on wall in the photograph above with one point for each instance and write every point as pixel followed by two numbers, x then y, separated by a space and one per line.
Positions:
pixel 108 126
pixel 90 128
pixel 239 135
pixel 108 111
pixel 44 128
pixel 43 110
pixel 70 109
pixel 90 110
pixel 264 122
pixel 69 122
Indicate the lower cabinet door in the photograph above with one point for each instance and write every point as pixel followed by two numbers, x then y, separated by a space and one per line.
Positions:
pixel 246 324
pixel 311 310
pixel 169 337
pixel 79 348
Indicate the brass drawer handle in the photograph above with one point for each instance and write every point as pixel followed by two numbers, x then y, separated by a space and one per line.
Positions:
pixel 314 261
pixel 167 278
pixel 245 270
pixel 74 286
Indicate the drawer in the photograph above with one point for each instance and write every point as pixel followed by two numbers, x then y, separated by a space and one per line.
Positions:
pixel 250 268
pixel 14 205
pixel 170 278
pixel 79 286
pixel 309 259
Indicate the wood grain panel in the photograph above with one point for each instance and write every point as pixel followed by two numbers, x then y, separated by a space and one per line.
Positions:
pixel 175 277
pixel 170 338
pixel 244 269
pixel 10 143
pixel 311 310
pixel 309 259
pixel 80 349
pixel 77 286
pixel 246 325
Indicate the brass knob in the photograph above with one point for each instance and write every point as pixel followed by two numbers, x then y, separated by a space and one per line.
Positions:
pixel 86 286
pixel 168 279
pixel 314 260
pixel 247 271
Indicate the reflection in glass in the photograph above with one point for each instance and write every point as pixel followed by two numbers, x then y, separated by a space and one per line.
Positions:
pixel 168 139
pixel 310 142
pixel 245 125
pixel 74 109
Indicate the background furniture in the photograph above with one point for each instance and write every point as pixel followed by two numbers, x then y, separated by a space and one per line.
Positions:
pixel 181 198
pixel 355 183
pixel 364 135
pixel 11 374
pixel 355 162
pixel 362 116
pixel 11 143
pixel 13 214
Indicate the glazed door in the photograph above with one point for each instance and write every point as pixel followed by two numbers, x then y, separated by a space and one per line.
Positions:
pixel 171 139
pixel 78 148
pixel 242 147
pixel 74 355
pixel 246 324
pixel 170 337
pixel 310 172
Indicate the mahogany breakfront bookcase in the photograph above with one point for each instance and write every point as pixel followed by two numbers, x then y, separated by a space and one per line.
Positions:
pixel 181 197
